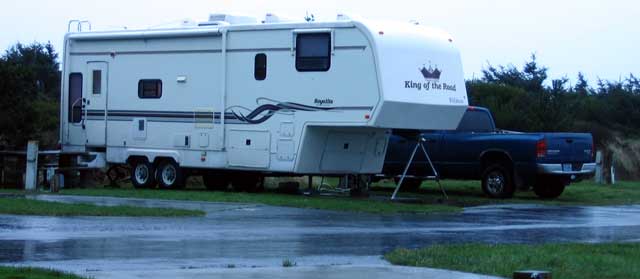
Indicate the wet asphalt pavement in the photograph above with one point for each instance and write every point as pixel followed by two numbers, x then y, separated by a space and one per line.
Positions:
pixel 255 239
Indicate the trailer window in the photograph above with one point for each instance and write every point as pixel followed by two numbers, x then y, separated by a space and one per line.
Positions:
pixel 260 66
pixel 75 97
pixel 150 88
pixel 97 82
pixel 313 52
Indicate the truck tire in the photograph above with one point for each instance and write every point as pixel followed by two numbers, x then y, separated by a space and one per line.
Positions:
pixel 410 184
pixel 549 187
pixel 142 174
pixel 497 181
pixel 216 182
pixel 170 175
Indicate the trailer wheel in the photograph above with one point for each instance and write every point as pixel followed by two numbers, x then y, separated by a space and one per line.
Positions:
pixel 170 175
pixel 215 182
pixel 549 187
pixel 142 174
pixel 497 182
pixel 410 184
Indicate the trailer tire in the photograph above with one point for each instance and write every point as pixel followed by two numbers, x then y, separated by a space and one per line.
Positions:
pixel 142 174
pixel 215 182
pixel 549 187
pixel 170 175
pixel 410 184
pixel 497 181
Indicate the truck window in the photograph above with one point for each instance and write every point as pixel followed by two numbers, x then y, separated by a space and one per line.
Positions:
pixel 475 121
pixel 313 52
pixel 150 88
pixel 260 66
pixel 75 97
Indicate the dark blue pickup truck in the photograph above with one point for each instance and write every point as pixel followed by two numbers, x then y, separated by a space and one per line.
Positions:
pixel 502 160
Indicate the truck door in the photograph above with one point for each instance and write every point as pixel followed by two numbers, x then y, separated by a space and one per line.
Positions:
pixel 95 94
pixel 433 140
pixel 462 146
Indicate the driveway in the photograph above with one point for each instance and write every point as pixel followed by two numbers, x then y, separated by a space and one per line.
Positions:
pixel 249 241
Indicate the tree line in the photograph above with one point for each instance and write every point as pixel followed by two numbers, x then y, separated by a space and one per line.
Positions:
pixel 29 96
pixel 521 99
pixel 527 100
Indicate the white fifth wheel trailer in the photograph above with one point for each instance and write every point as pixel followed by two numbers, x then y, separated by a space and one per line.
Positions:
pixel 235 94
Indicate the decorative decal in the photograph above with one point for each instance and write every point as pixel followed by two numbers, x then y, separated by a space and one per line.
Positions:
pixel 321 102
pixel 432 82
pixel 431 73
pixel 232 115
pixel 266 110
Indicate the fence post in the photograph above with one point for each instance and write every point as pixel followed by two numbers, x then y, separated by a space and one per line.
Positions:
pixel 599 168
pixel 31 177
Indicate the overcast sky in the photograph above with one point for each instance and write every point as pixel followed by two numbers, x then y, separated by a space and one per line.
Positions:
pixel 598 37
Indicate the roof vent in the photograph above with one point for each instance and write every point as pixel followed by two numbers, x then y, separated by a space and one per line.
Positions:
pixel 230 19
pixel 273 18
pixel 343 17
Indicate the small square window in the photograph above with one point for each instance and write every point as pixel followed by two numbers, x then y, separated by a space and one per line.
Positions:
pixel 150 88
pixel 313 52
pixel 97 82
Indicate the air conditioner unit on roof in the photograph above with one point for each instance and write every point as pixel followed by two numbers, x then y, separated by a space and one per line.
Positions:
pixel 273 18
pixel 232 19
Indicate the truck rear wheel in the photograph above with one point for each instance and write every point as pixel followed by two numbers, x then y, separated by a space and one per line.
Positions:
pixel 170 175
pixel 142 174
pixel 215 182
pixel 497 182
pixel 549 187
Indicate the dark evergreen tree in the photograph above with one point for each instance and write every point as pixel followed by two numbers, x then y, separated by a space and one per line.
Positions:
pixel 29 93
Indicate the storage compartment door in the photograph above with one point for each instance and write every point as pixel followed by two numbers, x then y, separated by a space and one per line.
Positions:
pixel 249 149
pixel 344 152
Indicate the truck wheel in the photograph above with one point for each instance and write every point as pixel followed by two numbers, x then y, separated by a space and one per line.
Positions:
pixel 549 187
pixel 170 175
pixel 142 174
pixel 410 184
pixel 246 182
pixel 497 182
pixel 215 182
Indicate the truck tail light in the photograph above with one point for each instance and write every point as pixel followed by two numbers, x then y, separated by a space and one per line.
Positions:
pixel 541 148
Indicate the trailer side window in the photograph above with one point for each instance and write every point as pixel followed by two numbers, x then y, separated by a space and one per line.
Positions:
pixel 150 88
pixel 75 97
pixel 260 66
pixel 313 52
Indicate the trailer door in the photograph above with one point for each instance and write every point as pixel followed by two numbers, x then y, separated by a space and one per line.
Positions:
pixel 96 94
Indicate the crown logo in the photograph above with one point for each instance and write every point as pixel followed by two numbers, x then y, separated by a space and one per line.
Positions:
pixel 431 73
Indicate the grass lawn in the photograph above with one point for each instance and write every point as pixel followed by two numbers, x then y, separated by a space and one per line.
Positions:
pixel 468 193
pixel 7 272
pixel 317 202
pixel 563 260
pixel 461 194
pixel 22 206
